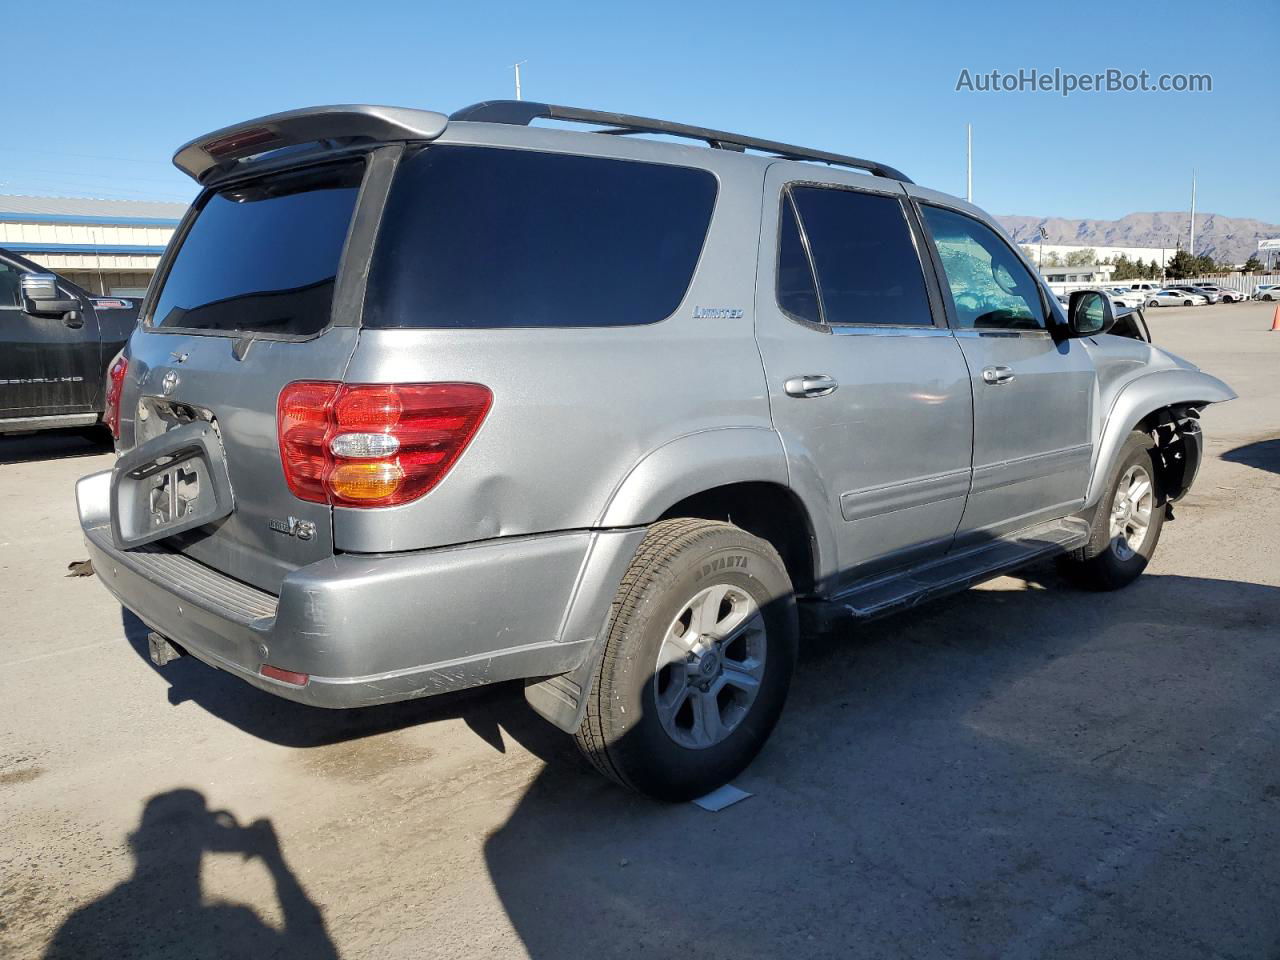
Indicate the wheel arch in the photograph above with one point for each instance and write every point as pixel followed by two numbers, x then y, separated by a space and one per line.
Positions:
pixel 1165 398
pixel 767 510
pixel 737 474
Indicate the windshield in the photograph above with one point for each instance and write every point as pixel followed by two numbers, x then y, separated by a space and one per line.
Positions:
pixel 263 257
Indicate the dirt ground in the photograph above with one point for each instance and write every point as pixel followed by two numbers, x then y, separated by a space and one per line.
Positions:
pixel 1020 771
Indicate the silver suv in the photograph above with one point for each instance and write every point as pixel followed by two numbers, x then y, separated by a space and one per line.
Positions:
pixel 419 403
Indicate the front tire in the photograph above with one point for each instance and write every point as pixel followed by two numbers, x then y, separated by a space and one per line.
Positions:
pixel 698 657
pixel 1127 524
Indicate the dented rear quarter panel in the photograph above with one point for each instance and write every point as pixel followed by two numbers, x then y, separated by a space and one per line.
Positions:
pixel 577 409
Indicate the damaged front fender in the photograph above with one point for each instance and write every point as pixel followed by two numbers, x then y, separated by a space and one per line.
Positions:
pixel 1165 403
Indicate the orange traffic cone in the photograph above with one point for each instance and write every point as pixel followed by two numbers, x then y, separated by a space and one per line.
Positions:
pixel 1275 321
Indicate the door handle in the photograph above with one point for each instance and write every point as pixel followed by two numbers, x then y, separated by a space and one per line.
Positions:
pixel 997 375
pixel 73 319
pixel 811 385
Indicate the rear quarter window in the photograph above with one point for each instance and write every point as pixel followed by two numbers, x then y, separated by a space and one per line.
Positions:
pixel 263 257
pixel 476 237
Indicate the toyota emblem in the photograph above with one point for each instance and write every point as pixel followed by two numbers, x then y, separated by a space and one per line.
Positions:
pixel 169 383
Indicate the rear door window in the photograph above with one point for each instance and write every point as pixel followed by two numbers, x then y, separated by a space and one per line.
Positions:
pixel 264 257
pixel 797 290
pixel 479 237
pixel 867 266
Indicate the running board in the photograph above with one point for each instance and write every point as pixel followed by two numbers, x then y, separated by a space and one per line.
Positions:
pixel 949 574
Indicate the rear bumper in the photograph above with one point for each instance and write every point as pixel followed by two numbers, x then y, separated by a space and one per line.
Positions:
pixel 372 629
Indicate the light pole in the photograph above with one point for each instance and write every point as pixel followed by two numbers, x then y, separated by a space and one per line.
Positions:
pixel 968 163
pixel 516 67
pixel 1044 235
pixel 1192 245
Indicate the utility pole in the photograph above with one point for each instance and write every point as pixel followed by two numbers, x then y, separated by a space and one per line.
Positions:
pixel 968 166
pixel 1043 234
pixel 1192 244
pixel 516 66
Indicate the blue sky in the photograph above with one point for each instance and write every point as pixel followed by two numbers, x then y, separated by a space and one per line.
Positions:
pixel 876 80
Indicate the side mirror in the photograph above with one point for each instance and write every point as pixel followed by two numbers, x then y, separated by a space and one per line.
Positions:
pixel 40 295
pixel 1089 312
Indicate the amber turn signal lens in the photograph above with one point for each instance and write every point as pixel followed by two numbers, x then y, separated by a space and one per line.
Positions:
pixel 366 481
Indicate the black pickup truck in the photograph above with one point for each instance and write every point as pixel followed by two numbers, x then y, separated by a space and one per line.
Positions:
pixel 56 342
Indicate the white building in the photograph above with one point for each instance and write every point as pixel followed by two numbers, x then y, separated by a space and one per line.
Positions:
pixel 1063 279
pixel 1161 255
pixel 106 246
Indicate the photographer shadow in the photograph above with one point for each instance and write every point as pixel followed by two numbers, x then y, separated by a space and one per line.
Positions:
pixel 161 911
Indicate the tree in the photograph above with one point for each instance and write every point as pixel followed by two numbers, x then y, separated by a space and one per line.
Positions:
pixel 1253 265
pixel 1127 269
pixel 1203 265
pixel 1051 259
pixel 1180 266
pixel 1081 258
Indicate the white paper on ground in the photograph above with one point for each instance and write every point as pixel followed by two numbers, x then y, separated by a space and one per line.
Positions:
pixel 718 799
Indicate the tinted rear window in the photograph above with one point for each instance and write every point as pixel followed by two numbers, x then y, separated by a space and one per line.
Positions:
pixel 484 237
pixel 868 269
pixel 263 258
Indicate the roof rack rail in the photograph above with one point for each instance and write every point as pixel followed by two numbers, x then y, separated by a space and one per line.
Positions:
pixel 523 112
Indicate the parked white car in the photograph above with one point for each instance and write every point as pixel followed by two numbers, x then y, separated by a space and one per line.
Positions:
pixel 1123 295
pixel 1175 298
pixel 1146 288
pixel 1225 294
pixel 1195 288
pixel 1266 291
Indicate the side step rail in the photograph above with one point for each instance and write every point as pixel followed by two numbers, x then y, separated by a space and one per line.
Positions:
pixel 949 574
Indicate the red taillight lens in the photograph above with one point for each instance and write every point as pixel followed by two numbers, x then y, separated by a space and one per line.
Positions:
pixel 115 384
pixel 374 445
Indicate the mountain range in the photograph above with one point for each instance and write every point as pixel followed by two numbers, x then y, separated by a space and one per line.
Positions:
pixel 1231 239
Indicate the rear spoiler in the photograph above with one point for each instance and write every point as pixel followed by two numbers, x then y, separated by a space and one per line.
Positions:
pixel 228 149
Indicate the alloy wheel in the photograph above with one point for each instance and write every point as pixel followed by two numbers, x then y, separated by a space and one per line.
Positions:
pixel 710 666
pixel 1131 512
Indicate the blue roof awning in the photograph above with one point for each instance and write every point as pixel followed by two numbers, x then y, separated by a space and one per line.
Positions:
pixel 108 249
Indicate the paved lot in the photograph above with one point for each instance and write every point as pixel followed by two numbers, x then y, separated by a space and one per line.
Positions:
pixel 1020 771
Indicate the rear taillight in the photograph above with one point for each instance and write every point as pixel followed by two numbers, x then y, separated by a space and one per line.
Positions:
pixel 115 384
pixel 374 445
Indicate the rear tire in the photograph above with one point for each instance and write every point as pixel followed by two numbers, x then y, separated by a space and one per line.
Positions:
pixel 1127 524
pixel 1154 303
pixel 698 657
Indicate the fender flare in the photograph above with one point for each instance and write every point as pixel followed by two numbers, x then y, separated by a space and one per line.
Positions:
pixel 1138 399
pixel 691 464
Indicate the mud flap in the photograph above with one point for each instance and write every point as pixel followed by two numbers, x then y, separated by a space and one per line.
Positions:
pixel 562 700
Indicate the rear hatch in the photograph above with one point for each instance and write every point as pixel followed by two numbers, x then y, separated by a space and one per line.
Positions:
pixel 250 302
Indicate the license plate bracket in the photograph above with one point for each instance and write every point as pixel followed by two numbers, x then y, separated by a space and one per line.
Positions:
pixel 172 483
